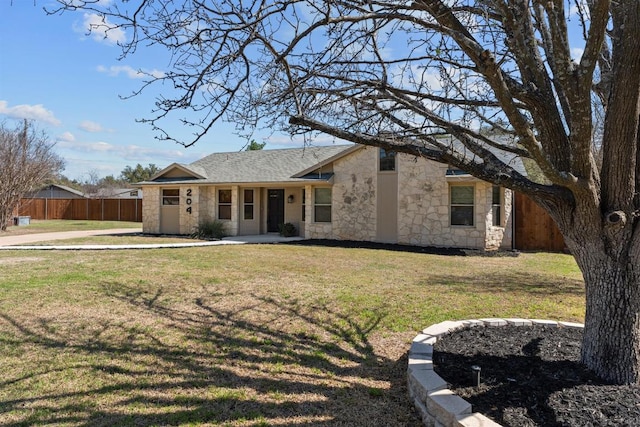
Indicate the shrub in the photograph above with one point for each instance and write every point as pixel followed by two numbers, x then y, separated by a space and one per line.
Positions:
pixel 288 230
pixel 210 230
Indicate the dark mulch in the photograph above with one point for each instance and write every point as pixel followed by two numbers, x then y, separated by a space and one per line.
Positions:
pixel 432 250
pixel 530 376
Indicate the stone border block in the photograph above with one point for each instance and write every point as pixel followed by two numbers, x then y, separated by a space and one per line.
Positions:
pixel 571 325
pixel 519 322
pixel 446 406
pixel 472 323
pixel 542 322
pixel 427 381
pixel 437 405
pixel 425 339
pixel 420 362
pixel 494 321
pixel 442 328
pixel 421 348
pixel 474 420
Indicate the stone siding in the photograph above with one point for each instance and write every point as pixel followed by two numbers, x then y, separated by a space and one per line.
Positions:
pixel 189 221
pixel 207 204
pixel 151 210
pixel 354 196
pixel 500 237
pixel 423 214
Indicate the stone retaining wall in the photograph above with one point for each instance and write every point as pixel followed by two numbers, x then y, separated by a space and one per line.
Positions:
pixel 437 405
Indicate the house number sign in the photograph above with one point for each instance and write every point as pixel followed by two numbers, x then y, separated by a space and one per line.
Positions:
pixel 189 210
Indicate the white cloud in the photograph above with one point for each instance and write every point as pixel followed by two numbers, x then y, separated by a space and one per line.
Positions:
pixel 132 73
pixel 90 126
pixel 31 112
pixel 100 29
pixel 129 153
pixel 67 136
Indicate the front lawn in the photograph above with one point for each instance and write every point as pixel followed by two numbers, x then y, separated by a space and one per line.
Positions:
pixel 250 335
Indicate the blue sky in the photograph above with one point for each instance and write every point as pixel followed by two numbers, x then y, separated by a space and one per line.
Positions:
pixel 70 85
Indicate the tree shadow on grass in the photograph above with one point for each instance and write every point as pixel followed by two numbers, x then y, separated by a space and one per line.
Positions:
pixel 511 282
pixel 215 359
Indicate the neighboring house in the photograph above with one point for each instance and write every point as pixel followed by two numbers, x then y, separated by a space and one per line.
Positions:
pixel 345 192
pixel 56 191
pixel 117 193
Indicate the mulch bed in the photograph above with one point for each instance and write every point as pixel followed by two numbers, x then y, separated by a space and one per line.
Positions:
pixel 530 376
pixel 431 250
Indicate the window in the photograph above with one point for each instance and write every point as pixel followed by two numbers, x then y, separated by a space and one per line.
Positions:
pixel 248 204
pixel 496 205
pixel 387 160
pixel 304 205
pixel 224 204
pixel 462 204
pixel 322 206
pixel 171 197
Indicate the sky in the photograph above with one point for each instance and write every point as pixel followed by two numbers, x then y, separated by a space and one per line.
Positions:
pixel 71 85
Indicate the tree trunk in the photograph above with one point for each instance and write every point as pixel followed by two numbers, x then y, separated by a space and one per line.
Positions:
pixel 611 343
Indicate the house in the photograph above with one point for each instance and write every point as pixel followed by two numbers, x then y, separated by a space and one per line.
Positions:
pixel 56 191
pixel 116 193
pixel 345 192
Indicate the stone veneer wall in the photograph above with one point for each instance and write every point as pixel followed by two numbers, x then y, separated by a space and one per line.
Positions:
pixel 207 204
pixel 423 205
pixel 189 221
pixel 354 196
pixel 151 210
pixel 423 209
pixel 500 237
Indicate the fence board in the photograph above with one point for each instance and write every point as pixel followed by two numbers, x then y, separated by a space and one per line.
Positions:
pixel 82 209
pixel 535 230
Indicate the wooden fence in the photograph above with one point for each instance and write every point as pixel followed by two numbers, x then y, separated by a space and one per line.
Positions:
pixel 534 228
pixel 82 209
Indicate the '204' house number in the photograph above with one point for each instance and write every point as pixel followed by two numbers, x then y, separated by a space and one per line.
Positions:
pixel 188 201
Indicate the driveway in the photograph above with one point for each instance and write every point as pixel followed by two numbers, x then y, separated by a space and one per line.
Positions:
pixel 42 237
pixel 10 242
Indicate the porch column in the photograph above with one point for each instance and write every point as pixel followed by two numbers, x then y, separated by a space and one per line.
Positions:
pixel 235 210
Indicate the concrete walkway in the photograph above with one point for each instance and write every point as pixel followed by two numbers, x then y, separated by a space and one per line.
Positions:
pixel 12 242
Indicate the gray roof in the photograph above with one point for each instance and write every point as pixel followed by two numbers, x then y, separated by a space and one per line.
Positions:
pixel 283 165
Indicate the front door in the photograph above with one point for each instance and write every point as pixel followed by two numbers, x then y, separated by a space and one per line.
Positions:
pixel 170 211
pixel 275 210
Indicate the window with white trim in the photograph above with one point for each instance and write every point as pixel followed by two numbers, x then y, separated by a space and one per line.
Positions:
pixel 224 204
pixel 462 201
pixel 322 205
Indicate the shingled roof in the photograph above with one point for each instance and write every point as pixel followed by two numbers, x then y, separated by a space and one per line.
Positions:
pixel 258 166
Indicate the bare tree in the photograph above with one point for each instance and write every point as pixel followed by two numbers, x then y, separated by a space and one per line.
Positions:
pixel 27 160
pixel 424 77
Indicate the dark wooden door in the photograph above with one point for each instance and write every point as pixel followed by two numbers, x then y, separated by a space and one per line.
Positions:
pixel 275 210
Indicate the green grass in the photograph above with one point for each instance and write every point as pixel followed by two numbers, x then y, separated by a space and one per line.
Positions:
pixel 243 335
